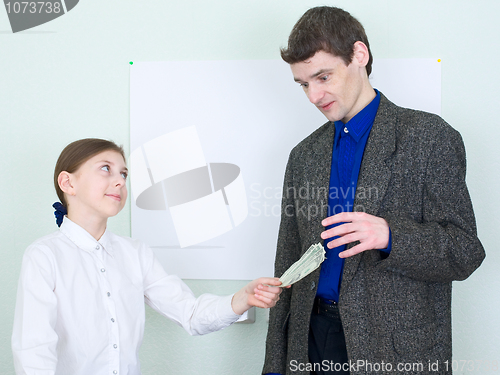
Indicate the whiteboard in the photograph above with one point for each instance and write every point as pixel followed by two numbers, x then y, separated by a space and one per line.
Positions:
pixel 209 145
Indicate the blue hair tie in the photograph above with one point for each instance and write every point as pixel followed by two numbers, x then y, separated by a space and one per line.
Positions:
pixel 59 213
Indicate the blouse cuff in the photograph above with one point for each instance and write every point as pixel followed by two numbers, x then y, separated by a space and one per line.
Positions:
pixel 225 311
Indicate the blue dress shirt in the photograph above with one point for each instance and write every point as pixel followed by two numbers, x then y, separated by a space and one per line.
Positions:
pixel 348 149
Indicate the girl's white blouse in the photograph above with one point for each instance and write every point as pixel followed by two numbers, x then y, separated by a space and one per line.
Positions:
pixel 80 304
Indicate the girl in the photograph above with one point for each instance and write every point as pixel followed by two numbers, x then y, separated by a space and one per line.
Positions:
pixel 80 302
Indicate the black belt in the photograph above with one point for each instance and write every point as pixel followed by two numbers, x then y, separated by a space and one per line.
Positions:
pixel 326 307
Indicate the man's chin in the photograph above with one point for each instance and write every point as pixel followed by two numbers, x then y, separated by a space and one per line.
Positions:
pixel 331 117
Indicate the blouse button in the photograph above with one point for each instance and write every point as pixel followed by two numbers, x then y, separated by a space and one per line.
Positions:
pixel 103 270
pixel 115 346
pixel 113 320
pixel 346 131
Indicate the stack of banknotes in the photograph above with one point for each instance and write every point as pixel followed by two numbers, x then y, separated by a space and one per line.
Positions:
pixel 311 260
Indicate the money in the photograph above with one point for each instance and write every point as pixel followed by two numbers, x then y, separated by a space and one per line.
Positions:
pixel 310 261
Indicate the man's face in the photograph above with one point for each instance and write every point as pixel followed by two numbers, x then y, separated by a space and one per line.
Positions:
pixel 331 85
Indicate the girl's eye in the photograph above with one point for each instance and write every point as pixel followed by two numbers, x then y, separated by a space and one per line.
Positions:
pixel 124 175
pixel 105 168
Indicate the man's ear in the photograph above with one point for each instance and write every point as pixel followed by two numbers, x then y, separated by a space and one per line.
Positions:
pixel 65 183
pixel 360 54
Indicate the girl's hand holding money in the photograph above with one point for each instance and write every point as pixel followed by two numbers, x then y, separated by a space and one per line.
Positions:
pixel 255 293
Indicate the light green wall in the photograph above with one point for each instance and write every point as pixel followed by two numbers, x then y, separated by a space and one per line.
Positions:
pixel 69 79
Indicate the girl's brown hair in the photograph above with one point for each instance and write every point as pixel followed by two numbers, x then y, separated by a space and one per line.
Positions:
pixel 77 153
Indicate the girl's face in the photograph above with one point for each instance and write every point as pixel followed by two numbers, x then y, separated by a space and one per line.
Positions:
pixel 99 186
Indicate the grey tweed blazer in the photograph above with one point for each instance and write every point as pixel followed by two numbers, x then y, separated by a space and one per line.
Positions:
pixel 395 309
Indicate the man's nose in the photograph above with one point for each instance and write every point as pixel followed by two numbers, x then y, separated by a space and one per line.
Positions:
pixel 315 94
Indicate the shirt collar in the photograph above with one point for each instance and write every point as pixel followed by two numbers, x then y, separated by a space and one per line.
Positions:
pixel 83 239
pixel 362 121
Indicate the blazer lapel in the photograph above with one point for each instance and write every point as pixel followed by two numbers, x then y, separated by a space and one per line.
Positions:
pixel 374 174
pixel 320 179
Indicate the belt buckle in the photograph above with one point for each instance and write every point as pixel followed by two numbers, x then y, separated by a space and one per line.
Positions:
pixel 318 302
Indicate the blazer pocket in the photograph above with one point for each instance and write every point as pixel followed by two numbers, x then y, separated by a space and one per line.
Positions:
pixel 416 343
pixel 285 322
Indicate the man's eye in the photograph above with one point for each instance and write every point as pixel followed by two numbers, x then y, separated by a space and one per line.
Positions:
pixel 324 78
pixel 105 168
pixel 304 85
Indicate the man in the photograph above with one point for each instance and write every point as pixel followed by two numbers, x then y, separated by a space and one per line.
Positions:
pixel 388 183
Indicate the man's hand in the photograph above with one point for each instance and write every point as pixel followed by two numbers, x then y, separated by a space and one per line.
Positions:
pixel 255 293
pixel 371 231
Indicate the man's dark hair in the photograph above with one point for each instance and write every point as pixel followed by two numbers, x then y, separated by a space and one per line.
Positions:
pixel 328 29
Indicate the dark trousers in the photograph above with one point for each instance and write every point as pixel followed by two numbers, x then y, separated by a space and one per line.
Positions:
pixel 327 349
